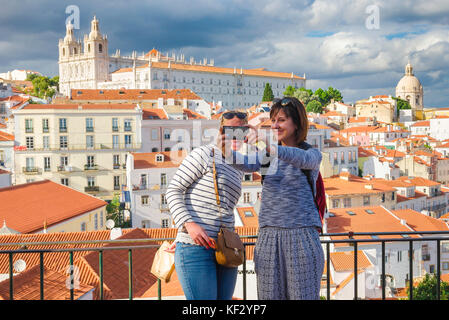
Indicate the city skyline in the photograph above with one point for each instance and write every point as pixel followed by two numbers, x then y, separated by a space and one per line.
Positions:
pixel 361 48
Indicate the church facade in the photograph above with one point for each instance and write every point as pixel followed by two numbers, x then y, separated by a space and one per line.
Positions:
pixel 88 65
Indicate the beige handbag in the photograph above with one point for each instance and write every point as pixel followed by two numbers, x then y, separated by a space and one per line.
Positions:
pixel 229 247
pixel 163 263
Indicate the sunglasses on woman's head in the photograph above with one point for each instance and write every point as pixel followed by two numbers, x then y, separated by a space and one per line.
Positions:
pixel 232 114
pixel 283 102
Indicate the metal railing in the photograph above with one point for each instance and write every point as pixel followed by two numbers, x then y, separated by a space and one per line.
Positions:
pixel 82 147
pixel 350 240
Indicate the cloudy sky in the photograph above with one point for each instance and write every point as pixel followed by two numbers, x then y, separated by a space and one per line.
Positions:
pixel 360 47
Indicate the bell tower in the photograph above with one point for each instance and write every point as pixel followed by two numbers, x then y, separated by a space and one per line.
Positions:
pixel 96 52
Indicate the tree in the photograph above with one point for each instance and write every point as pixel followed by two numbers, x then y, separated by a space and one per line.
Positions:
pixel 314 106
pixel 427 289
pixel 44 87
pixel 334 94
pixel 289 92
pixel 401 105
pixel 323 96
pixel 305 95
pixel 267 93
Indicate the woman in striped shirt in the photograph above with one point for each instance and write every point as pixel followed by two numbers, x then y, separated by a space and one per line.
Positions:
pixel 192 202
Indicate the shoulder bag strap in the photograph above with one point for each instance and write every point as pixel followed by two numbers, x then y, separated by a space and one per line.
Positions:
pixel 217 196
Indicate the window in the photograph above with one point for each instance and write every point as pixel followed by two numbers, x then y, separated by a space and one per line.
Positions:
pixel 116 161
pixel 335 203
pixel 90 162
pixel 167 149
pixel 445 246
pixel 89 142
pixel 115 143
pixel 445 265
pixel 89 125
pixel 46 142
pixel 30 142
pixel 154 150
pixel 163 199
pixel 64 161
pixel 46 163
pixel 143 181
pixel 144 200
pixel 432 268
pixel 159 158
pixel 101 219
pixel 127 124
pixel 100 48
pixel 248 213
pixel 351 213
pixel 165 223
pixel 65 181
pixel 392 196
pixel 96 221
pixel 167 134
pixel 115 124
pixel 116 182
pixel 128 141
pixel 247 177
pixel 383 197
pixel 29 125
pixel 259 195
pixel 63 142
pixel 62 125
pixel 246 197
pixel 366 200
pixel 83 226
pixel 163 179
pixel 369 211
pixel 399 256
pixel 90 181
pixel 347 202
pixel 45 127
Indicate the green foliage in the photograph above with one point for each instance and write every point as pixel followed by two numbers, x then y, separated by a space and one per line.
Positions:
pixel 44 87
pixel 267 93
pixel 401 104
pixel 289 92
pixel 427 289
pixel 314 106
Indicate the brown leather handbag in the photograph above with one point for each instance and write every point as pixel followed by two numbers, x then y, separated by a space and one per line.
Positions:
pixel 229 251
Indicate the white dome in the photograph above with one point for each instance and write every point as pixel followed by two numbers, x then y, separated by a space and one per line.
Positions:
pixel 409 84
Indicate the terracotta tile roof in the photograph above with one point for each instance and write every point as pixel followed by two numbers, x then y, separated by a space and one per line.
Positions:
pixel 171 289
pixel 154 114
pixel 83 106
pixel 360 119
pixel 133 94
pixel 148 160
pixel 420 222
pixel 445 216
pixel 346 183
pixel 248 216
pixel 331 280
pixel 381 220
pixel 344 261
pixel 6 136
pixel 25 207
pixel 333 114
pixel 217 116
pixel 359 129
pixel 362 152
pixel 424 123
pixel 27 286
pixel 200 68
pixel 418 181
pixel 192 114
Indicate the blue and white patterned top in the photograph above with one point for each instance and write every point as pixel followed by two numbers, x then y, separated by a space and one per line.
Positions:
pixel 287 199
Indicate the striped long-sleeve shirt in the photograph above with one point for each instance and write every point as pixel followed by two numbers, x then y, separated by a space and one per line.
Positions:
pixel 287 198
pixel 191 193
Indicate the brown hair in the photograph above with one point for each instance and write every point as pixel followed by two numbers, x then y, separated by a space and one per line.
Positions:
pixel 294 109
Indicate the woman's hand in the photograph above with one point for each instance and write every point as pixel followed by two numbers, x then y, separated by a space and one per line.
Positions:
pixel 198 234
pixel 172 248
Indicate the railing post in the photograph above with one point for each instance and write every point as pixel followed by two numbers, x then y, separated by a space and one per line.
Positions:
pixel 383 270
pixel 328 272
pixel 130 273
pixel 244 273
pixel 11 275
pixel 411 270
pixel 159 291
pixel 438 270
pixel 41 263
pixel 71 275
pixel 100 264
pixel 355 271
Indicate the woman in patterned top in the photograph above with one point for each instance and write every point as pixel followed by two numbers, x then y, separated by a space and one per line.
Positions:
pixel 288 257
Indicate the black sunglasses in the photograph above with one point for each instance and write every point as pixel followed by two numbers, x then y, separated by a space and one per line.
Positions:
pixel 232 114
pixel 283 102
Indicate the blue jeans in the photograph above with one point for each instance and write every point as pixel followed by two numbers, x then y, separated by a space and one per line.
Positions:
pixel 201 277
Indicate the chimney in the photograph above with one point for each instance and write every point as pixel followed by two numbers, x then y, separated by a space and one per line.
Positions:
pixel 369 186
pixel 403 222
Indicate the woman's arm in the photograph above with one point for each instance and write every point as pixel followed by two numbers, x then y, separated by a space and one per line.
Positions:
pixel 302 159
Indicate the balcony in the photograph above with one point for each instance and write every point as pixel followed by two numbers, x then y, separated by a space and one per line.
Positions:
pixel 115 129
pixel 90 167
pixel 163 207
pixel 89 129
pixel 128 128
pixel 29 130
pixel 45 130
pixel 116 166
pixel 82 147
pixel 65 168
pixel 31 170
pixel 11 250
pixel 92 189
pixel 63 129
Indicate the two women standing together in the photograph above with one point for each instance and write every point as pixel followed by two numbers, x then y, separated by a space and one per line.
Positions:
pixel 288 257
